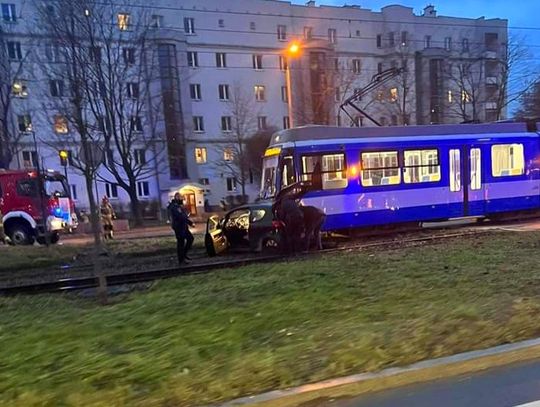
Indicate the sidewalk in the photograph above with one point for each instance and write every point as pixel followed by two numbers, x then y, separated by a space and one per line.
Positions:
pixel 138 233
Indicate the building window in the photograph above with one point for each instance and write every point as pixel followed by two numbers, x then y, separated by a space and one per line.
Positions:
pixel 476 169
pixel 195 91
pixel 223 91
pixel 56 87
pixel 231 184
pixel 507 160
pixel 19 89
pixel 325 171
pixel 221 60
pixel 25 123
pixel 379 41
pixel 29 159
pixel 60 124
pixel 392 39
pixel 261 122
pixel 136 124
pixel 465 45
pixel 284 94
pixel 308 33
pixel 427 41
pixel 259 93
pixel 14 50
pixel 193 59
pixel 393 95
pixel 189 25
pixel 140 156
pixel 156 21
pixel 404 38
pixel 200 155
pixel 95 54
pixel 337 94
pixel 226 123
pixel 257 62
pixel 448 43
pixel 228 154
pixel 73 190
pixel 286 122
pixel 52 53
pixel 356 66
pixel 379 67
pixel 332 36
pixel 111 190
pixel 421 166
pixel 336 64
pixel 380 168
pixel 221 23
pixel 465 97
pixel 129 56
pixel 252 26
pixel 204 181
pixel 198 124
pixel 8 13
pixel 132 90
pixel 450 96
pixel 283 63
pixel 282 32
pixel 143 189
pixel 123 21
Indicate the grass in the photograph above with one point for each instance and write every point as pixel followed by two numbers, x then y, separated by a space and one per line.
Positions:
pixel 206 338
pixel 19 258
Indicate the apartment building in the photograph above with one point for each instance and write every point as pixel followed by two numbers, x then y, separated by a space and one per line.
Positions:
pixel 225 72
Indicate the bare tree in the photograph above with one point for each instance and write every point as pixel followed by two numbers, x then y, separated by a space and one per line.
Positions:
pixel 10 88
pixel 530 103
pixel 466 79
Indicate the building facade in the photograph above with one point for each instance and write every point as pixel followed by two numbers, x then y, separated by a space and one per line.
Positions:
pixel 225 73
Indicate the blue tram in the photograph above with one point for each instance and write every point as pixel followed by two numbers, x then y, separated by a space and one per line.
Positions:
pixel 376 176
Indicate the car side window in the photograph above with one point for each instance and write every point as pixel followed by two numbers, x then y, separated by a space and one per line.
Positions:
pixel 27 187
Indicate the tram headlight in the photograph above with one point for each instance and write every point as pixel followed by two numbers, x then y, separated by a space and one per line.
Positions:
pixel 257 215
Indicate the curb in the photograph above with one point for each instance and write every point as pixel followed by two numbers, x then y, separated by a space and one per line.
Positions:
pixel 424 371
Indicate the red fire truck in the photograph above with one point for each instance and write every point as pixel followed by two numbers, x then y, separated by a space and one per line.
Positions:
pixel 35 207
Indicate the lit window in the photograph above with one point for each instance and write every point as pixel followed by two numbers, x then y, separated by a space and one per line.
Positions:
pixel 282 32
pixel 60 124
pixel 325 171
pixel 421 166
pixel 228 154
pixel 189 25
pixel 380 168
pixel 200 155
pixel 198 124
pixel 19 89
pixel 226 123
pixel 123 21
pixel 140 156
pixel 8 13
pixel 465 97
pixel 507 160
pixel 143 189
pixel 450 96
pixel 25 123
pixel 257 62
pixel 259 93
pixel 393 95
pixel 223 91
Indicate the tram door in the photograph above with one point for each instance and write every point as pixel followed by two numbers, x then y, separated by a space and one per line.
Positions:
pixel 466 187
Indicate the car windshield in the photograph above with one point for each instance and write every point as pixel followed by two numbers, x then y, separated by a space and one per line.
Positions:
pixel 268 179
pixel 55 186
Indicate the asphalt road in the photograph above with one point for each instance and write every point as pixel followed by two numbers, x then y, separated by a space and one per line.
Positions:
pixel 509 386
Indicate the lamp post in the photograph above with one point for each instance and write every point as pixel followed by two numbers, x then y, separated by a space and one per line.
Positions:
pixel 41 190
pixel 293 51
pixel 64 156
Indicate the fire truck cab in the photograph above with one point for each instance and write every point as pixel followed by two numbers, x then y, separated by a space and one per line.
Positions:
pixel 35 207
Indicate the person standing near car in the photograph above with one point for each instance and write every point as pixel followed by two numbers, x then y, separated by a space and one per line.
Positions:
pixel 180 223
pixel 291 215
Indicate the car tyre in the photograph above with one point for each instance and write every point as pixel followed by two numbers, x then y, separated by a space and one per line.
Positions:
pixel 21 235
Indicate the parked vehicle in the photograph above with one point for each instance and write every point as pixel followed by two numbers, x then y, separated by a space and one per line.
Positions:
pixel 35 208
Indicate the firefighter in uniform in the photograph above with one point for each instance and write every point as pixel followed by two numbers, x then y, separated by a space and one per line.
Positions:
pixel 180 223
pixel 107 216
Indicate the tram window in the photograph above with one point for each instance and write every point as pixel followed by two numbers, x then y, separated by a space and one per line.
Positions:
pixel 421 166
pixel 287 172
pixel 455 170
pixel 507 160
pixel 325 171
pixel 476 169
pixel 380 168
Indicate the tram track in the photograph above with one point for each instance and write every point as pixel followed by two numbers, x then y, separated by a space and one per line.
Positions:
pixel 135 277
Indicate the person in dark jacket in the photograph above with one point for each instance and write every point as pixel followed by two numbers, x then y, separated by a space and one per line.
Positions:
pixel 180 223
pixel 289 212
pixel 313 220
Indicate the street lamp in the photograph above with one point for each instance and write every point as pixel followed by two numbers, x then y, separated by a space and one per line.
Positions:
pixel 293 51
pixel 64 156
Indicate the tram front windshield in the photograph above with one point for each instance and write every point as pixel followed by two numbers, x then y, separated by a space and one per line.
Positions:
pixel 268 179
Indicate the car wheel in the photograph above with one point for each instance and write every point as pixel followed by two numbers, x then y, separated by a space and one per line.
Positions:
pixel 21 235
pixel 270 245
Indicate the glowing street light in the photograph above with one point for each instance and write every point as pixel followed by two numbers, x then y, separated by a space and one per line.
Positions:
pixel 294 49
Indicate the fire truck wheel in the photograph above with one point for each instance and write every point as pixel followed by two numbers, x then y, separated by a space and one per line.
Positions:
pixel 21 234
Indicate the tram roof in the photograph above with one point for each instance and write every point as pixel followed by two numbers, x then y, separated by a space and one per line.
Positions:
pixel 314 132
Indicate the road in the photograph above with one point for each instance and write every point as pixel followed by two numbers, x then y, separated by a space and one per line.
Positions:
pixel 509 386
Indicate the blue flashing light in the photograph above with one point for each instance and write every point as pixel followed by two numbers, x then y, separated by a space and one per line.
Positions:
pixel 57 212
